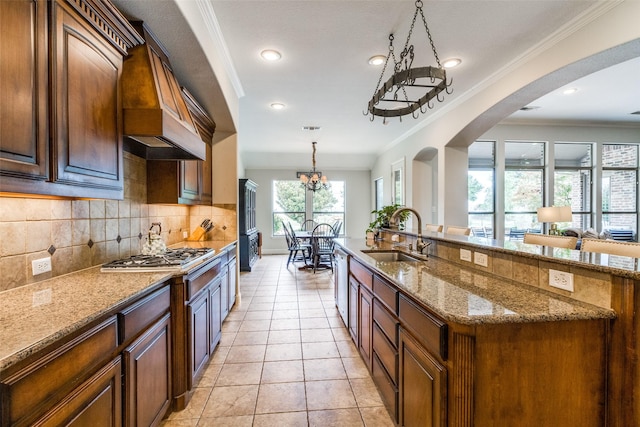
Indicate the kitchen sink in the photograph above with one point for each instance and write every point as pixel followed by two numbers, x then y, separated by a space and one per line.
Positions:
pixel 390 256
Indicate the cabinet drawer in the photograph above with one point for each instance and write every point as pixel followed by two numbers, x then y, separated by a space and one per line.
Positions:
pixel 388 391
pixel 428 329
pixel 386 293
pixel 32 389
pixel 140 315
pixel 386 352
pixel 387 322
pixel 360 272
pixel 197 280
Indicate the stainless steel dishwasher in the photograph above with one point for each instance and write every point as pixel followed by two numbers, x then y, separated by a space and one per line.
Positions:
pixel 342 284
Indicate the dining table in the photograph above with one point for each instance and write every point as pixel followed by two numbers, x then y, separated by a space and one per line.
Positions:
pixel 306 236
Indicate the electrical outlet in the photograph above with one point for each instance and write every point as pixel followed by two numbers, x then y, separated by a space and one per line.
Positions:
pixel 185 234
pixel 481 259
pixel 465 255
pixel 561 280
pixel 42 265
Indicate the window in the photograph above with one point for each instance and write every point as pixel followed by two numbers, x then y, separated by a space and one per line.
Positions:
pixel 572 181
pixel 481 200
pixel 524 187
pixel 328 205
pixel 292 203
pixel 619 187
pixel 288 205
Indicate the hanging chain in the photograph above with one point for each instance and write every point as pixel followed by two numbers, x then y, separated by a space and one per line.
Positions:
pixel 313 156
pixel 386 61
pixel 426 27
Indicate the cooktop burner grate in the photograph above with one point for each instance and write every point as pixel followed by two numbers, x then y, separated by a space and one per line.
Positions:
pixel 173 259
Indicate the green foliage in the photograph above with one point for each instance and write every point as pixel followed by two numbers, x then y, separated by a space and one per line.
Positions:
pixel 383 215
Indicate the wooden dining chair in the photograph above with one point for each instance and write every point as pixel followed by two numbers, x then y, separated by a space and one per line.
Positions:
pixel 566 242
pixel 460 231
pixel 308 225
pixel 611 247
pixel 436 228
pixel 295 246
pixel 322 245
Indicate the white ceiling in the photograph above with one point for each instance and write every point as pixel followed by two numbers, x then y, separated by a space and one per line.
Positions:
pixel 324 79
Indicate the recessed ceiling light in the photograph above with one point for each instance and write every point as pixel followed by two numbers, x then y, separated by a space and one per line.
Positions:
pixel 270 55
pixel 530 107
pixel 377 60
pixel 451 62
pixel 277 106
pixel 570 91
pixel 310 127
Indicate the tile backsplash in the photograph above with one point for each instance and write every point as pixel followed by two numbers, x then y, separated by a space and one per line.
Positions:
pixel 78 234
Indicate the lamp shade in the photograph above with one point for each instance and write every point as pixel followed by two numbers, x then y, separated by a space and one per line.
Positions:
pixel 554 214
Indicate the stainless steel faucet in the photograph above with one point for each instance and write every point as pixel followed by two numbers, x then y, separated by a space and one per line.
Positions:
pixel 420 244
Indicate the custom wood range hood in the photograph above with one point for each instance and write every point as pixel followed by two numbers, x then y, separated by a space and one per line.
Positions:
pixel 157 122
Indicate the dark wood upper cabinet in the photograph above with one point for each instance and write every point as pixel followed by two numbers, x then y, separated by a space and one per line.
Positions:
pixel 61 131
pixel 24 147
pixel 188 182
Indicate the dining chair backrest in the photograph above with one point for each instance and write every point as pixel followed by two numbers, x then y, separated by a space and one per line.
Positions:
pixel 336 227
pixel 437 228
pixel 288 236
pixel 566 242
pixel 611 247
pixel 461 231
pixel 308 225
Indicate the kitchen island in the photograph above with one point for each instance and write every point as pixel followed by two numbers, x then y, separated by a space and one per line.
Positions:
pixel 459 343
pixel 108 346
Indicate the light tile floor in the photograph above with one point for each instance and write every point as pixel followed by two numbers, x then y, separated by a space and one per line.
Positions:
pixel 285 359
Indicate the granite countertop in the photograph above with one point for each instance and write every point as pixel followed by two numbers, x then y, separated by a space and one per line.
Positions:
pixel 622 266
pixel 471 297
pixel 36 315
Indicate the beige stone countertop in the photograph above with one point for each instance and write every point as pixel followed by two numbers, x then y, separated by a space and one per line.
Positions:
pixel 36 315
pixel 471 297
pixel 622 266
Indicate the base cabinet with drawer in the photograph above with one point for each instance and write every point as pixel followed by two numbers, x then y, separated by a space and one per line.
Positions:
pixel 201 301
pixel 116 371
pixel 432 372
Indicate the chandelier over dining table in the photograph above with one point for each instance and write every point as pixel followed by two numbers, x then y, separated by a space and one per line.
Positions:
pixel 313 180
pixel 410 90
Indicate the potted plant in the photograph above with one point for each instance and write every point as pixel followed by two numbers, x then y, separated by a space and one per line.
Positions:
pixel 383 216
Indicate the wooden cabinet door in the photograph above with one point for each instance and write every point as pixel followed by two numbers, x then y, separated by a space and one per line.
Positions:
pixel 87 124
pixel 97 402
pixel 198 315
pixel 190 181
pixel 206 177
pixel 231 269
pixel 422 385
pixel 365 325
pixel 224 295
pixel 215 315
pixel 353 309
pixel 148 375
pixel 24 145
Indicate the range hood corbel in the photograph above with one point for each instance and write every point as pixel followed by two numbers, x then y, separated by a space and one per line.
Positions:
pixel 157 123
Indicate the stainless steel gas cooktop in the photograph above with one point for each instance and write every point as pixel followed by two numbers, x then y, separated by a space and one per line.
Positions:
pixel 173 260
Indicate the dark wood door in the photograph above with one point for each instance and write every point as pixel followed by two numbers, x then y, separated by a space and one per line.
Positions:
pixel 422 385
pixel 215 315
pixel 97 402
pixel 353 309
pixel 24 146
pixel 86 104
pixel 198 312
pixel 231 269
pixel 148 375
pixel 365 325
